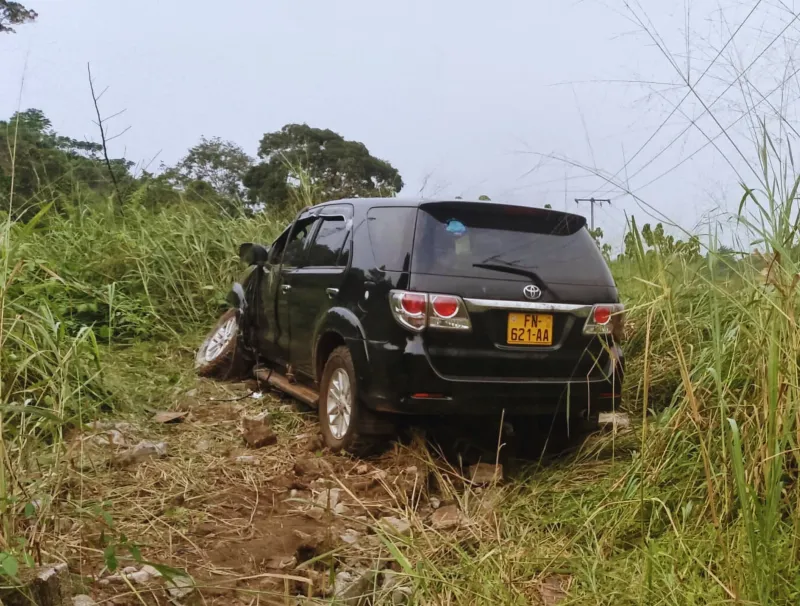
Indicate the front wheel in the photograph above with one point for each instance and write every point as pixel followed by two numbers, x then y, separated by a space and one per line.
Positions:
pixel 221 354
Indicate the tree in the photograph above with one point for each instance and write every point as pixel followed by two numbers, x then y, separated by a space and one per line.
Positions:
pixel 13 13
pixel 220 164
pixel 45 163
pixel 484 198
pixel 333 166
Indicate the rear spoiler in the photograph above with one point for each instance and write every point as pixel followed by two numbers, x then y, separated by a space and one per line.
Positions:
pixel 553 221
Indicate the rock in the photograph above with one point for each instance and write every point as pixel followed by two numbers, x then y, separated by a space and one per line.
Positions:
pixel 170 417
pixel 397 587
pixel 83 600
pixel 328 498
pixel 257 432
pixel 312 466
pixel 246 460
pixel 395 526
pixel 342 510
pixel 180 587
pixel 204 446
pixel 143 576
pixel 447 517
pixel 44 586
pixel 112 436
pixel 553 589
pixel 350 536
pixel 362 469
pixel 617 420
pixel 353 588
pixel 281 562
pixel 435 503
pixel 484 473
pixel 142 451
pixel 129 570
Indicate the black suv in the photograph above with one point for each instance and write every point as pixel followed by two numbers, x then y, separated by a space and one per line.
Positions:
pixel 370 306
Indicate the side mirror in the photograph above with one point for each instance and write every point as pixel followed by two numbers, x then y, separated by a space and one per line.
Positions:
pixel 253 254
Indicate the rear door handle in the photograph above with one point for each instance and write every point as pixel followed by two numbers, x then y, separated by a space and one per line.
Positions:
pixel 286 288
pixel 331 292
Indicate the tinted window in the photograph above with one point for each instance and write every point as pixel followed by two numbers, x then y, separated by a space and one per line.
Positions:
pixel 295 247
pixel 344 256
pixel 494 241
pixel 391 230
pixel 324 251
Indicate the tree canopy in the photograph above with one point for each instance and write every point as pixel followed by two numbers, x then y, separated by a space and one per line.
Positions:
pixel 13 13
pixel 221 164
pixel 334 167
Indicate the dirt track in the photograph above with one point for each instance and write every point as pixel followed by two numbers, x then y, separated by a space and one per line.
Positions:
pixel 255 525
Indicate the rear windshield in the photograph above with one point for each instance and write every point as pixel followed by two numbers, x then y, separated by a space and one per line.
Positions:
pixel 511 243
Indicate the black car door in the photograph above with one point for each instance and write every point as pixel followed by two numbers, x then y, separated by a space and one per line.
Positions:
pixel 315 285
pixel 272 312
pixel 294 254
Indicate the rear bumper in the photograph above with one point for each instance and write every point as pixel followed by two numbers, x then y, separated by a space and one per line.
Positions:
pixel 402 380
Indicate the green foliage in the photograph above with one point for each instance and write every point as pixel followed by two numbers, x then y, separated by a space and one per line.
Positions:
pixel 43 165
pixel 14 13
pixel 336 168
pixel 221 165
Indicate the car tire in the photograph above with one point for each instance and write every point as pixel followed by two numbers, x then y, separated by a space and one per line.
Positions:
pixel 340 411
pixel 221 354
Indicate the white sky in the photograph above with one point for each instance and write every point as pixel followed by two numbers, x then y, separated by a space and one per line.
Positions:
pixel 462 96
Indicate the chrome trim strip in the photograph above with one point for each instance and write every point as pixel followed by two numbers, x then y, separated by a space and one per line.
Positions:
pixel 580 310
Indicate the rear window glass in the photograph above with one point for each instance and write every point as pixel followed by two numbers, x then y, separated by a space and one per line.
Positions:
pixel 391 230
pixel 507 243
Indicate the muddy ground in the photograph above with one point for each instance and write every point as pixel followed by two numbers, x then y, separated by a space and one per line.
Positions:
pixel 277 521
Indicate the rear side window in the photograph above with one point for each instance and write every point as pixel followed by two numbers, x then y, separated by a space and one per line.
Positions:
pixel 391 231
pixel 327 245
pixel 500 242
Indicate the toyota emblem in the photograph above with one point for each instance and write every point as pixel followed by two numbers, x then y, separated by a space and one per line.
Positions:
pixel 532 292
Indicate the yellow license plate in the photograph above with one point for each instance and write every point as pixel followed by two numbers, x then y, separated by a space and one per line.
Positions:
pixel 530 329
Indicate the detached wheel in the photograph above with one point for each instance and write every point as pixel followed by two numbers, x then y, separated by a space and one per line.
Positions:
pixel 221 355
pixel 339 410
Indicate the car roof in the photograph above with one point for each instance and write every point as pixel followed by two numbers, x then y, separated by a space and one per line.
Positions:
pixel 417 202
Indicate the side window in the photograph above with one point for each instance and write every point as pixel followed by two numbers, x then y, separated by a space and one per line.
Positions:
pixel 344 256
pixel 295 246
pixel 276 250
pixel 391 231
pixel 331 235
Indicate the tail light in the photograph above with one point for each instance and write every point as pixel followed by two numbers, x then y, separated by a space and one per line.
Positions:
pixel 416 311
pixel 607 319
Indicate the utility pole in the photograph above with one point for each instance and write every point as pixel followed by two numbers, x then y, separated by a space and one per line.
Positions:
pixel 592 201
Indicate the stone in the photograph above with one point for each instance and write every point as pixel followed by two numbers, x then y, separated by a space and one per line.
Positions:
pixel 350 536
pixel 170 417
pixel 396 526
pixel 257 432
pixel 142 451
pixel 246 460
pixel 281 562
pixel 447 517
pixel 553 589
pixel 397 587
pixel 362 469
pixel 312 466
pixel 435 502
pixel 328 498
pixel 113 437
pixel 83 600
pixel 342 510
pixel 484 473
pixel 179 587
pixel 617 420
pixel 353 588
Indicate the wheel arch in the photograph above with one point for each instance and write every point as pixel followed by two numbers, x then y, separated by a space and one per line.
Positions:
pixel 340 327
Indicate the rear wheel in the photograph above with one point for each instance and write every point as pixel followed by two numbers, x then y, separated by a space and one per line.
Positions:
pixel 221 354
pixel 339 409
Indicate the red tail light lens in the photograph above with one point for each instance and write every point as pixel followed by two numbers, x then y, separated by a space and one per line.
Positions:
pixel 602 315
pixel 444 306
pixel 413 304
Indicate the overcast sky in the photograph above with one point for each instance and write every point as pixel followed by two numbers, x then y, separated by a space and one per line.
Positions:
pixel 464 97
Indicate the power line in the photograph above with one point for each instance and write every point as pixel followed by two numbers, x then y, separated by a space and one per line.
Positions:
pixel 593 201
